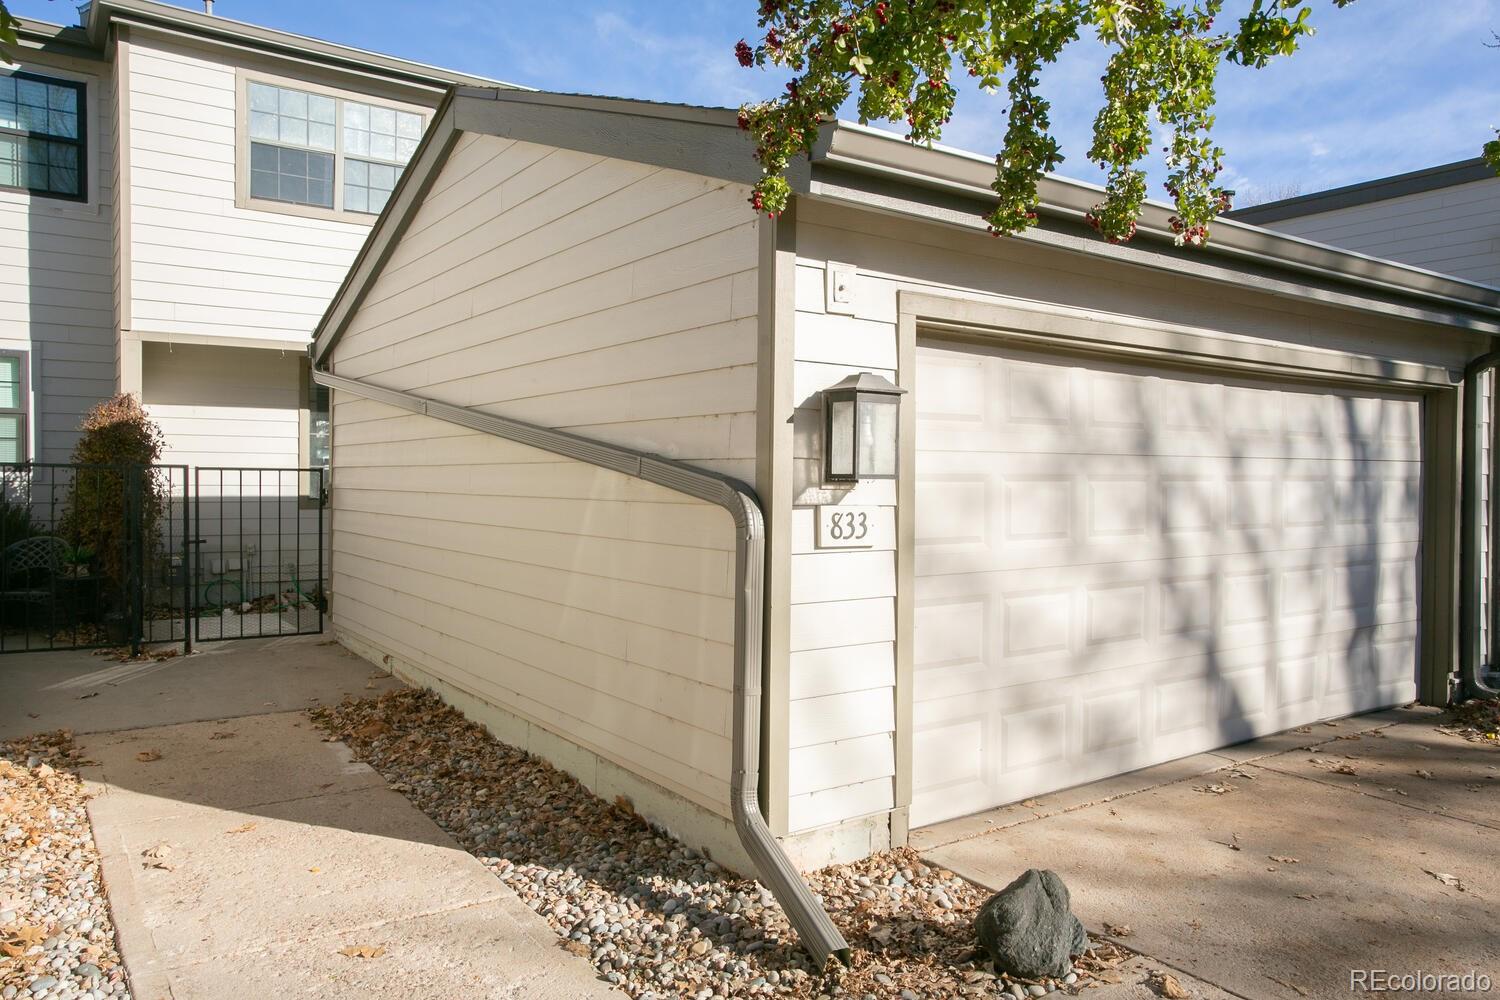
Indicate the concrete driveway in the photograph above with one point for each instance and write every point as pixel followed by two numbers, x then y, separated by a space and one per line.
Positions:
pixel 1275 868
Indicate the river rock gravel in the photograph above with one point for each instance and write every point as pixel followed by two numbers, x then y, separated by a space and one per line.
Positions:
pixel 656 917
pixel 56 937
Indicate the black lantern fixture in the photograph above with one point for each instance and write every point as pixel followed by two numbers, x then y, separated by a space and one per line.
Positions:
pixel 861 429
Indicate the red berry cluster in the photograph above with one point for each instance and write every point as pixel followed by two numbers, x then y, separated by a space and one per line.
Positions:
pixel 744 53
pixel 1098 224
pixel 882 14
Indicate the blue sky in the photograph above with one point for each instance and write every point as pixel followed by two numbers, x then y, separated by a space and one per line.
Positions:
pixel 1386 86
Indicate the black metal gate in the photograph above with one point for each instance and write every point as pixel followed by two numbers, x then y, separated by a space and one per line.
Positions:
pixel 93 556
pixel 96 556
pixel 258 535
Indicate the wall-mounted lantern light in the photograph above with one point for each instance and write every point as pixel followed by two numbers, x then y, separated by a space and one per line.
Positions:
pixel 860 429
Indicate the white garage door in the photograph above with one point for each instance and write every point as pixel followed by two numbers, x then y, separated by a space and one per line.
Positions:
pixel 1118 565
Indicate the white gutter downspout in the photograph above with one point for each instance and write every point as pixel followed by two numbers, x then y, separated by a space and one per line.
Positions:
pixel 814 927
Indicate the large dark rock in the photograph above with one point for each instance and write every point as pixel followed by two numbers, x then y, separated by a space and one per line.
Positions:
pixel 1029 929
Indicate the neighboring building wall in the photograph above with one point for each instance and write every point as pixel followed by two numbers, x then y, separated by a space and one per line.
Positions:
pixel 843 713
pixel 199 265
pixel 55 264
pixel 577 612
pixel 1455 230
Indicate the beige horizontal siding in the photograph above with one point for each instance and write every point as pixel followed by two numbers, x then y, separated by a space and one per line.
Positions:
pixel 199 264
pixel 612 299
pixel 56 275
pixel 597 610
pixel 1455 230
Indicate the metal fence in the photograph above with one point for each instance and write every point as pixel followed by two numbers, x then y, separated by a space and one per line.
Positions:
pixel 259 538
pixel 98 556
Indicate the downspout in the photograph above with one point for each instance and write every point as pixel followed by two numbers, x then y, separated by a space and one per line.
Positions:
pixel 813 926
pixel 1471 681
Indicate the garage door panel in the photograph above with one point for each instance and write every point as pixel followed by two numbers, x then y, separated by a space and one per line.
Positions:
pixel 1118 565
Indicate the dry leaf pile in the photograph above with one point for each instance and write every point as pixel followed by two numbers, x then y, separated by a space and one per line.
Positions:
pixel 652 915
pixel 55 930
pixel 1477 721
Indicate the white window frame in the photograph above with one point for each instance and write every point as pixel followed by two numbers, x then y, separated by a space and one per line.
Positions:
pixel 23 407
pixel 242 197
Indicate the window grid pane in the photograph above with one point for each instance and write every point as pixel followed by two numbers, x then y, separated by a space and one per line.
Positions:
pixel 380 133
pixel 292 117
pixel 10 382
pixel 45 158
pixel 10 439
pixel 297 176
pixel 368 186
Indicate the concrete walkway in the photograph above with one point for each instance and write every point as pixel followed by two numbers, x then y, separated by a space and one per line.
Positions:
pixel 249 858
pixel 89 693
pixel 1269 869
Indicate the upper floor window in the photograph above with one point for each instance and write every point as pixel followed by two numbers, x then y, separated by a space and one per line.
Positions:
pixel 41 135
pixel 326 152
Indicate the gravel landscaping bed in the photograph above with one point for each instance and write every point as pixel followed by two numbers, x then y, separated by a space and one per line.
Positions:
pixel 658 918
pixel 56 938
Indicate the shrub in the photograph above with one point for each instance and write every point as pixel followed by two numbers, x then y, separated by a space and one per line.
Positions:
pixel 121 442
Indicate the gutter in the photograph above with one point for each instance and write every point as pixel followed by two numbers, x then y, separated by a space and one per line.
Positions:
pixel 864 150
pixel 1470 658
pixel 814 927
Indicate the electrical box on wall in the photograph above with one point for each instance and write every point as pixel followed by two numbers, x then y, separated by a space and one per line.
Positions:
pixel 839 294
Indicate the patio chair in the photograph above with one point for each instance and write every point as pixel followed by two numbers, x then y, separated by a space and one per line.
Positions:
pixel 29 570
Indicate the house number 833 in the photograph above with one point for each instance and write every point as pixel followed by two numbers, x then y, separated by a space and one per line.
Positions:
pixel 846 527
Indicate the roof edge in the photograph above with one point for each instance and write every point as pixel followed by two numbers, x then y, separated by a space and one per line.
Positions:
pixel 214 28
pixel 1365 192
pixel 861 148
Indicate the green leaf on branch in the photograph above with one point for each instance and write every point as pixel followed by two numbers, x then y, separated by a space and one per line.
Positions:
pixel 1163 67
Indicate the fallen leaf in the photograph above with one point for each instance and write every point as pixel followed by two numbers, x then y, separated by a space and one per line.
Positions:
pixel 1303 729
pixel 1117 930
pixel 575 948
pixel 315 870
pixel 242 828
pixel 1028 803
pixel 1422 772
pixel 1344 769
pixel 372 729
pixel 363 951
pixel 1215 789
pixel 1282 859
pixel 1447 879
pixel 1167 985
pixel 1348 736
pixel 1396 790
pixel 157 851
pixel 91 694
pixel 223 736
pixel 147 756
pixel 1307 895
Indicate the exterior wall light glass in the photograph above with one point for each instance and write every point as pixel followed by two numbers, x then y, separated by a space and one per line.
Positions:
pixel 861 429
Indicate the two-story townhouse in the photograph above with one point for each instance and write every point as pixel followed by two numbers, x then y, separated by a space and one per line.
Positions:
pixel 182 194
